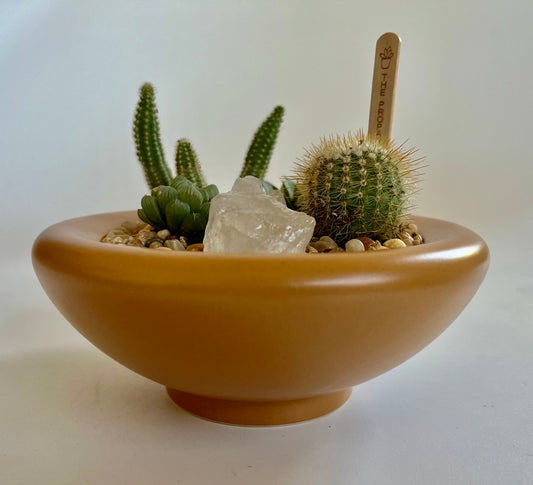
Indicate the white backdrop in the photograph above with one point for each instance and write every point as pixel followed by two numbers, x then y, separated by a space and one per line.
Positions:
pixel 70 73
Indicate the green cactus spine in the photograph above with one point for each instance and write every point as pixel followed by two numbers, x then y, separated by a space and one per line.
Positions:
pixel 187 163
pixel 262 146
pixel 356 186
pixel 180 207
pixel 147 139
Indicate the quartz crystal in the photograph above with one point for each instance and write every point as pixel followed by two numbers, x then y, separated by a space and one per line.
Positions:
pixel 249 219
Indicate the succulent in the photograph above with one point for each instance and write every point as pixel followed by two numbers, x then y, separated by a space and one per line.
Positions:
pixel 187 163
pixel 180 207
pixel 262 145
pixel 290 192
pixel 147 139
pixel 356 186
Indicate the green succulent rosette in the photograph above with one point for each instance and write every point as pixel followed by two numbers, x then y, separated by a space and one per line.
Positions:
pixel 180 207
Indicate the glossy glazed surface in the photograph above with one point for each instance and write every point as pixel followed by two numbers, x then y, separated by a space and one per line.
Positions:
pixel 258 327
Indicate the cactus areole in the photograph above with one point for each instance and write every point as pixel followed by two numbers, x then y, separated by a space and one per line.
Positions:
pixel 356 185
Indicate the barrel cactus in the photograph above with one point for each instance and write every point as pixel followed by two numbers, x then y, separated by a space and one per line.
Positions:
pixel 180 207
pixel 356 185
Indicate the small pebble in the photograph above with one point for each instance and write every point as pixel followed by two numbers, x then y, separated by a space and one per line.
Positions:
pixel 174 244
pixel 354 245
pixel 115 233
pixel 183 241
pixel 163 234
pixel 328 240
pixel 119 240
pixel 136 242
pixel 417 239
pixel 133 226
pixel 412 227
pixel 195 247
pixel 406 237
pixel 394 243
pixel 367 242
pixel 145 236
pixel 155 245
pixel 375 246
pixel 310 249
pixel 163 248
pixel 152 240
pixel 324 245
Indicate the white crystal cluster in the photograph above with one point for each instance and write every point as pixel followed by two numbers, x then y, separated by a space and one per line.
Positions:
pixel 249 219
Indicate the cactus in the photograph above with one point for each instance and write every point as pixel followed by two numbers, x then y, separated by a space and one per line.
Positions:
pixel 147 139
pixel 187 163
pixel 180 207
pixel 262 145
pixel 152 158
pixel 356 185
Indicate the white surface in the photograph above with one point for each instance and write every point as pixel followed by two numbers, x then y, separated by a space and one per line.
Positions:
pixel 459 412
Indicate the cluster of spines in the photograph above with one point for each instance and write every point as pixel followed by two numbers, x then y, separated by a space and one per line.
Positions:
pixel 187 163
pixel 356 185
pixel 147 139
pixel 262 145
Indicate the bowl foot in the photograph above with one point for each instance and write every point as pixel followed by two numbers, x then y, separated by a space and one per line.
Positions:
pixel 259 413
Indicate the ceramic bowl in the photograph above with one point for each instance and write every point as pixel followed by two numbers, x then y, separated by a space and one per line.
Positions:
pixel 258 339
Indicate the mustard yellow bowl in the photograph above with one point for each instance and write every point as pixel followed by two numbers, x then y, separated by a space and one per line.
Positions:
pixel 258 339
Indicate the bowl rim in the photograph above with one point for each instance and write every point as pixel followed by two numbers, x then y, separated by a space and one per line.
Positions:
pixel 74 246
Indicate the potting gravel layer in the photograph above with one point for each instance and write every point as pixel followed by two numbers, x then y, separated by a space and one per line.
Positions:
pixel 134 233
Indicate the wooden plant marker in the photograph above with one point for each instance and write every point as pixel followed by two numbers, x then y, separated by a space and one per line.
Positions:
pixel 386 64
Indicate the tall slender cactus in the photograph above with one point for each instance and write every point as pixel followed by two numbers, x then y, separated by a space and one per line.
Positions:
pixel 260 150
pixel 187 163
pixel 147 139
